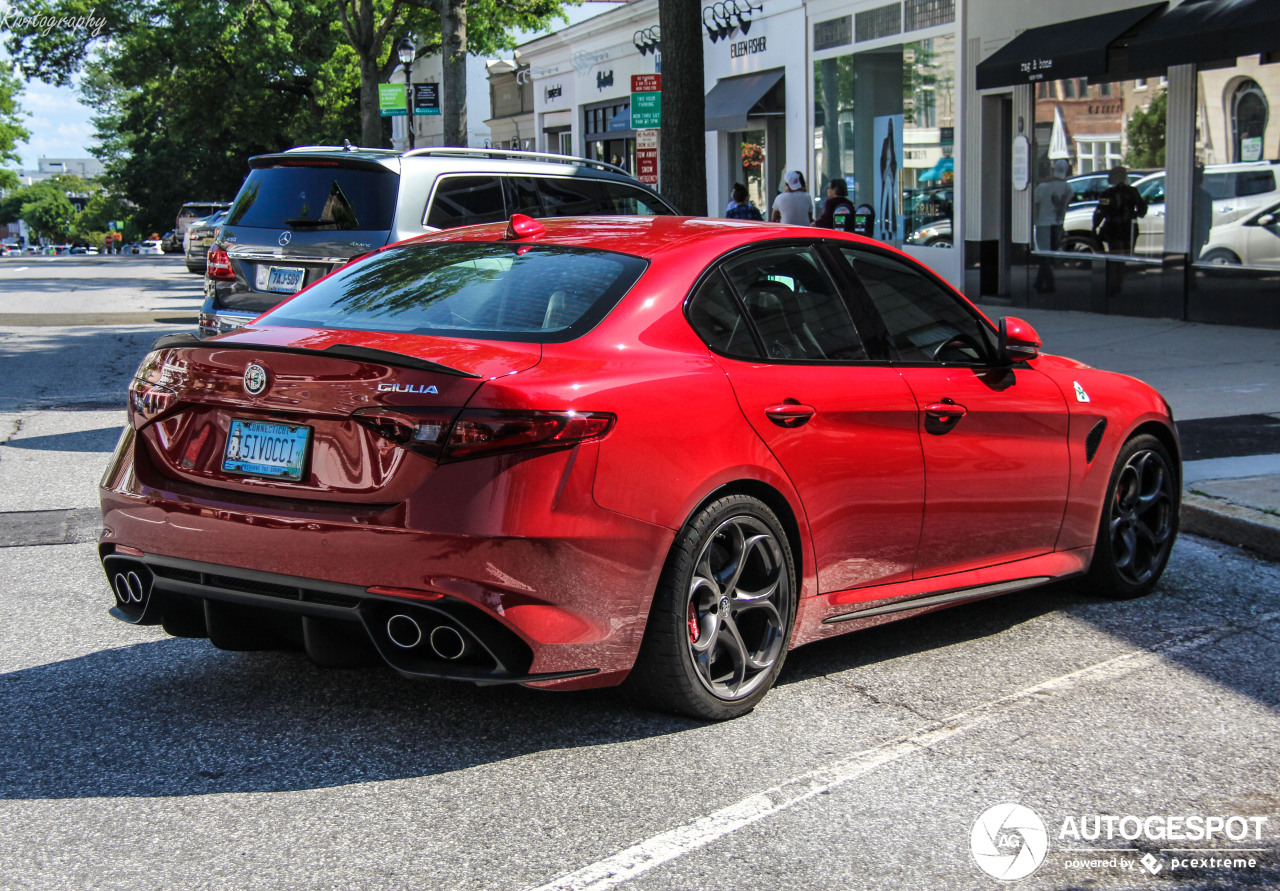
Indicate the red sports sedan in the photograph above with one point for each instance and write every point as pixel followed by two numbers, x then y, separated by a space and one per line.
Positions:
pixel 644 450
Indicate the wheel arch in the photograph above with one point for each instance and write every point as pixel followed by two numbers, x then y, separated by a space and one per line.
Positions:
pixel 1167 437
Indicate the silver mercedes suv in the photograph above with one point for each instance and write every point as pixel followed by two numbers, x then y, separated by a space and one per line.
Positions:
pixel 304 212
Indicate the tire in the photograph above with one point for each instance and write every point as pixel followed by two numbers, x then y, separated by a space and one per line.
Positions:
pixel 1139 521
pixel 731 554
pixel 1220 257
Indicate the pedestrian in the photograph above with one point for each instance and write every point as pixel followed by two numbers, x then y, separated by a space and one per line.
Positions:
pixel 1052 197
pixel 741 207
pixel 1201 213
pixel 837 212
pixel 794 205
pixel 1116 217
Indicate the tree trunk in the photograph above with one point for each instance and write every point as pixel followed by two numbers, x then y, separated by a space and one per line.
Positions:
pixel 370 115
pixel 453 35
pixel 682 150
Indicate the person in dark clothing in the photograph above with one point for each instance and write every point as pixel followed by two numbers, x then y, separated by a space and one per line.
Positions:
pixel 741 207
pixel 1115 220
pixel 837 213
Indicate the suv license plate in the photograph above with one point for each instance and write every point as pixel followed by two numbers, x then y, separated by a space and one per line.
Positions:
pixel 263 449
pixel 281 279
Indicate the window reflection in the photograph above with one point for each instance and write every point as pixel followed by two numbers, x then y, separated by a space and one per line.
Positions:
pixel 885 123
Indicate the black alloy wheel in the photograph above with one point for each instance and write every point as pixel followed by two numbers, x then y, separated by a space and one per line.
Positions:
pixel 1139 521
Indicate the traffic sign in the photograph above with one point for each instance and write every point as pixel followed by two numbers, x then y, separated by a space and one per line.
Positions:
pixel 646 83
pixel 646 110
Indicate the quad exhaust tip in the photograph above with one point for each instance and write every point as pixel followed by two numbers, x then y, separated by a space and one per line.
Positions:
pixel 445 641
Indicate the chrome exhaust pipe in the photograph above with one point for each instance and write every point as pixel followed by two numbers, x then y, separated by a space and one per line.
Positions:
pixel 404 631
pixel 131 582
pixel 448 643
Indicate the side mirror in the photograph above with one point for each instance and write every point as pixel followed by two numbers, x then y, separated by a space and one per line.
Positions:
pixel 1018 340
pixel 1266 219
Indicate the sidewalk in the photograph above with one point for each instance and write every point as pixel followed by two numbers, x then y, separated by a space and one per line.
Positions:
pixel 1208 373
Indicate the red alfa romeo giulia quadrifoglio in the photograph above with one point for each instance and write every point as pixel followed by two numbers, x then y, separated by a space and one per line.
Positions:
pixel 644 450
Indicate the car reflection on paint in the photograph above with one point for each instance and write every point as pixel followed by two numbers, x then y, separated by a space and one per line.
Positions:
pixel 651 451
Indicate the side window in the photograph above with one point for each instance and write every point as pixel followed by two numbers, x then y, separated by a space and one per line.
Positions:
pixel 464 200
pixel 568 197
pixel 925 322
pixel 1255 182
pixel 624 199
pixel 522 195
pixel 1153 192
pixel 795 306
pixel 716 318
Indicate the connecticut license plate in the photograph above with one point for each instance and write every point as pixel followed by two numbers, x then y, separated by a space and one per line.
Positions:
pixel 271 451
pixel 280 279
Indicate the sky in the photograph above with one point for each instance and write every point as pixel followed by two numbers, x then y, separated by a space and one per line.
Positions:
pixel 59 124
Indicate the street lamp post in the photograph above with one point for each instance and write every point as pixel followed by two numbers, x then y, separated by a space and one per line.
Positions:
pixel 405 50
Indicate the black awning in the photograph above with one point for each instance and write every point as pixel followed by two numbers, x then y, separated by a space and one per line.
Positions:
pixel 1078 48
pixel 1207 31
pixel 733 99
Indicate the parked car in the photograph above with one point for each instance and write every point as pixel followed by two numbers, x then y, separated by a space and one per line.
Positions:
pixel 10 250
pixel 199 237
pixel 934 234
pixel 303 213
pixel 1088 187
pixel 151 246
pixel 1236 189
pixel 1252 240
pixel 192 211
pixel 661 451
pixel 172 241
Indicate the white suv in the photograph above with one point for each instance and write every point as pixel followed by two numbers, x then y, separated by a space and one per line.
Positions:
pixel 1237 189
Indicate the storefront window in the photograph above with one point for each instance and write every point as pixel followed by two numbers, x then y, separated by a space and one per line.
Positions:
pixel 1099 169
pixel 1235 196
pixel 885 124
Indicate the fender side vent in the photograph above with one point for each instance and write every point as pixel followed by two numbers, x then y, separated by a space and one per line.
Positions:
pixel 1094 439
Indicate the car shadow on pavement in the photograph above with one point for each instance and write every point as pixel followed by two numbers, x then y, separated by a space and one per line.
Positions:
pixel 102 439
pixel 178 717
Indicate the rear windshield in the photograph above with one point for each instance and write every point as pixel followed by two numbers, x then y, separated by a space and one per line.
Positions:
pixel 491 291
pixel 316 199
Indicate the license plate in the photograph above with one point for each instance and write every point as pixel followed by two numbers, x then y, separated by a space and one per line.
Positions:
pixel 281 279
pixel 264 449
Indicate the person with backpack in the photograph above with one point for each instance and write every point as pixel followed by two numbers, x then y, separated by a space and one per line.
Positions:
pixel 837 212
pixel 1115 220
pixel 741 207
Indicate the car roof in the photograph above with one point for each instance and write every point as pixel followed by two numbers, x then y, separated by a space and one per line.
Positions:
pixel 640 236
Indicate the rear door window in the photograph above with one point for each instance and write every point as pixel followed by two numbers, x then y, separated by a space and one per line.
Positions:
pixel 465 201
pixel 320 198
pixel 1255 182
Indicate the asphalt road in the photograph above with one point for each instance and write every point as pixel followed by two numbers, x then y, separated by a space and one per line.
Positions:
pixel 131 760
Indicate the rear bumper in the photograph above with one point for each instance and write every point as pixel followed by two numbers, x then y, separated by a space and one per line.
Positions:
pixel 560 577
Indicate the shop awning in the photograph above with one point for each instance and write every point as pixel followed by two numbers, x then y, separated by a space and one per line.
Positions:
pixel 1078 48
pixel 733 99
pixel 621 120
pixel 1206 31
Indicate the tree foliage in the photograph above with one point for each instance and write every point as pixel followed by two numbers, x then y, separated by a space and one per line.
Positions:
pixel 1145 133
pixel 11 130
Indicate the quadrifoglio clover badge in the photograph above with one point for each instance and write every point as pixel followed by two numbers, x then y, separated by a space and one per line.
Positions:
pixel 1009 842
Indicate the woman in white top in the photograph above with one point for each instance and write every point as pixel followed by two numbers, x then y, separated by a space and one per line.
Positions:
pixel 794 206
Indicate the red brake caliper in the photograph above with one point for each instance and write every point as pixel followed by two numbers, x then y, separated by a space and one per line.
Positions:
pixel 695 630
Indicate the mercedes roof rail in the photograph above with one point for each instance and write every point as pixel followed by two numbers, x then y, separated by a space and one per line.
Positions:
pixel 515 156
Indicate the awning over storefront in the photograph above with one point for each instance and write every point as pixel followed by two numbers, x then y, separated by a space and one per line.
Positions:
pixel 620 121
pixel 733 99
pixel 1207 31
pixel 1078 48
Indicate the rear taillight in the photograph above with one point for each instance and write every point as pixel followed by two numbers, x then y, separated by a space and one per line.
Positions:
pixel 440 435
pixel 219 264
pixel 148 399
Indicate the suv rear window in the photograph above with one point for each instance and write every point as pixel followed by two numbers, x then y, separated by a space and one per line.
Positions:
pixel 490 291
pixel 339 199
pixel 479 198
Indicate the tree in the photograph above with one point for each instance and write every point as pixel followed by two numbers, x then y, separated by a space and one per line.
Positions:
pixel 1145 133
pixel 683 156
pixel 11 130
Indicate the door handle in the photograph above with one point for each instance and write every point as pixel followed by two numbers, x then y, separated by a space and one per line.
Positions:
pixel 790 414
pixel 946 411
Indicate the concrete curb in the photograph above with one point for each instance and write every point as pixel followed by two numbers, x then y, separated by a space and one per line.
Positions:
pixel 1231 524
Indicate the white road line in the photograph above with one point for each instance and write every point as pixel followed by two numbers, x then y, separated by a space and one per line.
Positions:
pixel 14 269
pixel 667 846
